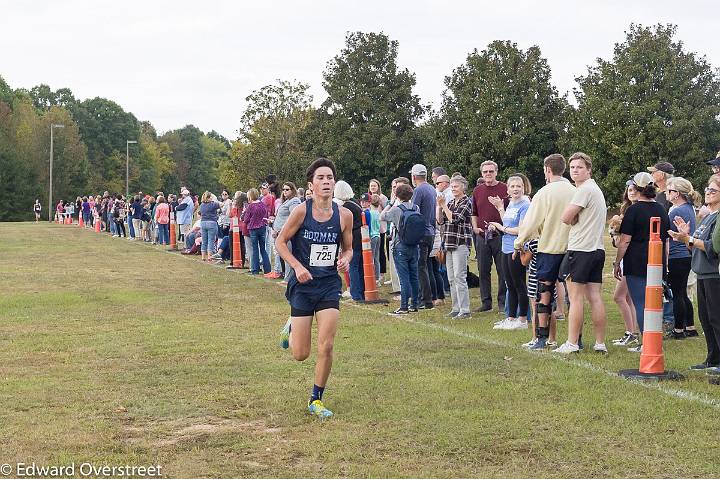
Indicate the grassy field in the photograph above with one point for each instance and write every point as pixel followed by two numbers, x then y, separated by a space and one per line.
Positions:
pixel 116 353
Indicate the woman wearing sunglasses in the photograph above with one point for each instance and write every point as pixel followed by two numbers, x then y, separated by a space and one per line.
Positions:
pixel 704 263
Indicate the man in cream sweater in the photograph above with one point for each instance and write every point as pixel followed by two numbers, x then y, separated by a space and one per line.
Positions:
pixel 544 221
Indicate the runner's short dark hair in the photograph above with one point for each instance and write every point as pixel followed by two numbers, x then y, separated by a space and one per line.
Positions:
pixel 319 163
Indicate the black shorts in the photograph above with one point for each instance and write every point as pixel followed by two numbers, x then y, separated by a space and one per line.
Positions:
pixel 548 266
pixel 585 266
pixel 320 306
pixel 317 295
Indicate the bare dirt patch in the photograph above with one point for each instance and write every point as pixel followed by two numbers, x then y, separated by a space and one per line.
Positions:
pixel 159 434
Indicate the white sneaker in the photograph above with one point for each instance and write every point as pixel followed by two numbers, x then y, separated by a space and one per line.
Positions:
pixel 637 349
pixel 600 348
pixel 502 321
pixel 550 344
pixel 518 324
pixel 529 343
pixel 567 348
pixel 502 324
pixel 346 294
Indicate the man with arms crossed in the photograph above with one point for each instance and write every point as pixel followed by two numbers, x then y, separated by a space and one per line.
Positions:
pixel 321 235
pixel 585 215
pixel 543 217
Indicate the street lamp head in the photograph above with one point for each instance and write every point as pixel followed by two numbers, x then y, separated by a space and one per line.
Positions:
pixel 131 141
pixel 53 125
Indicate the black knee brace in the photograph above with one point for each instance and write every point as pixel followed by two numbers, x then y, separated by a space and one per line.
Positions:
pixel 544 309
pixel 545 288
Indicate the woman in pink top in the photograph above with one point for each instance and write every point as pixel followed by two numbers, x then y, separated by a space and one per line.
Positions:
pixel 162 218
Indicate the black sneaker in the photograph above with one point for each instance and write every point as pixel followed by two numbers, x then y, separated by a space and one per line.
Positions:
pixel 672 334
pixel 701 366
pixel 691 333
pixel 401 311
pixel 463 316
pixel 412 309
pixel 426 306
pixel 484 308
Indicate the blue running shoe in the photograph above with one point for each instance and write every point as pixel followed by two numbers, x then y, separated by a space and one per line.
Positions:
pixel 539 345
pixel 285 335
pixel 316 408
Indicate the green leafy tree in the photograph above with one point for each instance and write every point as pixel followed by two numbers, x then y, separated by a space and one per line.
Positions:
pixel 368 122
pixel 269 137
pixel 500 106
pixel 237 171
pixel 217 136
pixel 150 165
pixel 70 165
pixel 105 127
pixel 654 101
pixel 195 167
pixel 17 180
pixel 7 95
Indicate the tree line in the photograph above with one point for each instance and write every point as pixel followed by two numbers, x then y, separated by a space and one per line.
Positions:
pixel 652 101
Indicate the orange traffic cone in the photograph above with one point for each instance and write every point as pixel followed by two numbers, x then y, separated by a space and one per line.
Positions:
pixel 371 292
pixel 652 358
pixel 81 224
pixel 97 224
pixel 173 235
pixel 236 259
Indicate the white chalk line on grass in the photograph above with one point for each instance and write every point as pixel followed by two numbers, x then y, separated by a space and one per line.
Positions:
pixel 676 393
pixel 672 392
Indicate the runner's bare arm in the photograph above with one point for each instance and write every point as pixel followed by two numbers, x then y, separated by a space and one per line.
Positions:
pixel 346 221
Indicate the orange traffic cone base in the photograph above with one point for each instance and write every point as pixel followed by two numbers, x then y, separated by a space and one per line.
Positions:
pixel 663 376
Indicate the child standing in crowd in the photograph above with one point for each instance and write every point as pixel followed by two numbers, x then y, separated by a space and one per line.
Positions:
pixel 370 205
pixel 37 207
pixel 404 255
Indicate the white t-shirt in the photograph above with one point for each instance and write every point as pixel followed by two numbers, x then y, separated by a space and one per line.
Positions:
pixel 587 234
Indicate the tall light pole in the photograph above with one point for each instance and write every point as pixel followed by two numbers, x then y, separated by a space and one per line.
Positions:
pixel 50 198
pixel 127 168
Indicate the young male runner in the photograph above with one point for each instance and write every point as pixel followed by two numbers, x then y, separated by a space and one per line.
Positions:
pixel 317 228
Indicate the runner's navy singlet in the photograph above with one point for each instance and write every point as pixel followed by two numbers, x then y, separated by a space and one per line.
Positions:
pixel 316 245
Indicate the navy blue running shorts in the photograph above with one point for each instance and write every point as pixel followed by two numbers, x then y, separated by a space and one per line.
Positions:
pixel 317 295
pixel 548 266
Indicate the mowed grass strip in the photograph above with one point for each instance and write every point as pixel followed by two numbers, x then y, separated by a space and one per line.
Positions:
pixel 120 353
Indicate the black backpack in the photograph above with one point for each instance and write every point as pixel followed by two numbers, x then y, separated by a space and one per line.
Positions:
pixel 411 230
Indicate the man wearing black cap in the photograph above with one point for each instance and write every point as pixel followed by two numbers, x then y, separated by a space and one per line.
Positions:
pixel 714 163
pixel 661 171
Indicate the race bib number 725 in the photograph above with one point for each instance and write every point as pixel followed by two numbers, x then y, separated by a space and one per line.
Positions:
pixel 323 254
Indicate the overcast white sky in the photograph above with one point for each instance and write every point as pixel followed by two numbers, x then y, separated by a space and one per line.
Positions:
pixel 190 62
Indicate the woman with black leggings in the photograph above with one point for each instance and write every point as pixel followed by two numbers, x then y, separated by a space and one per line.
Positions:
pixel 682 196
pixel 512 268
